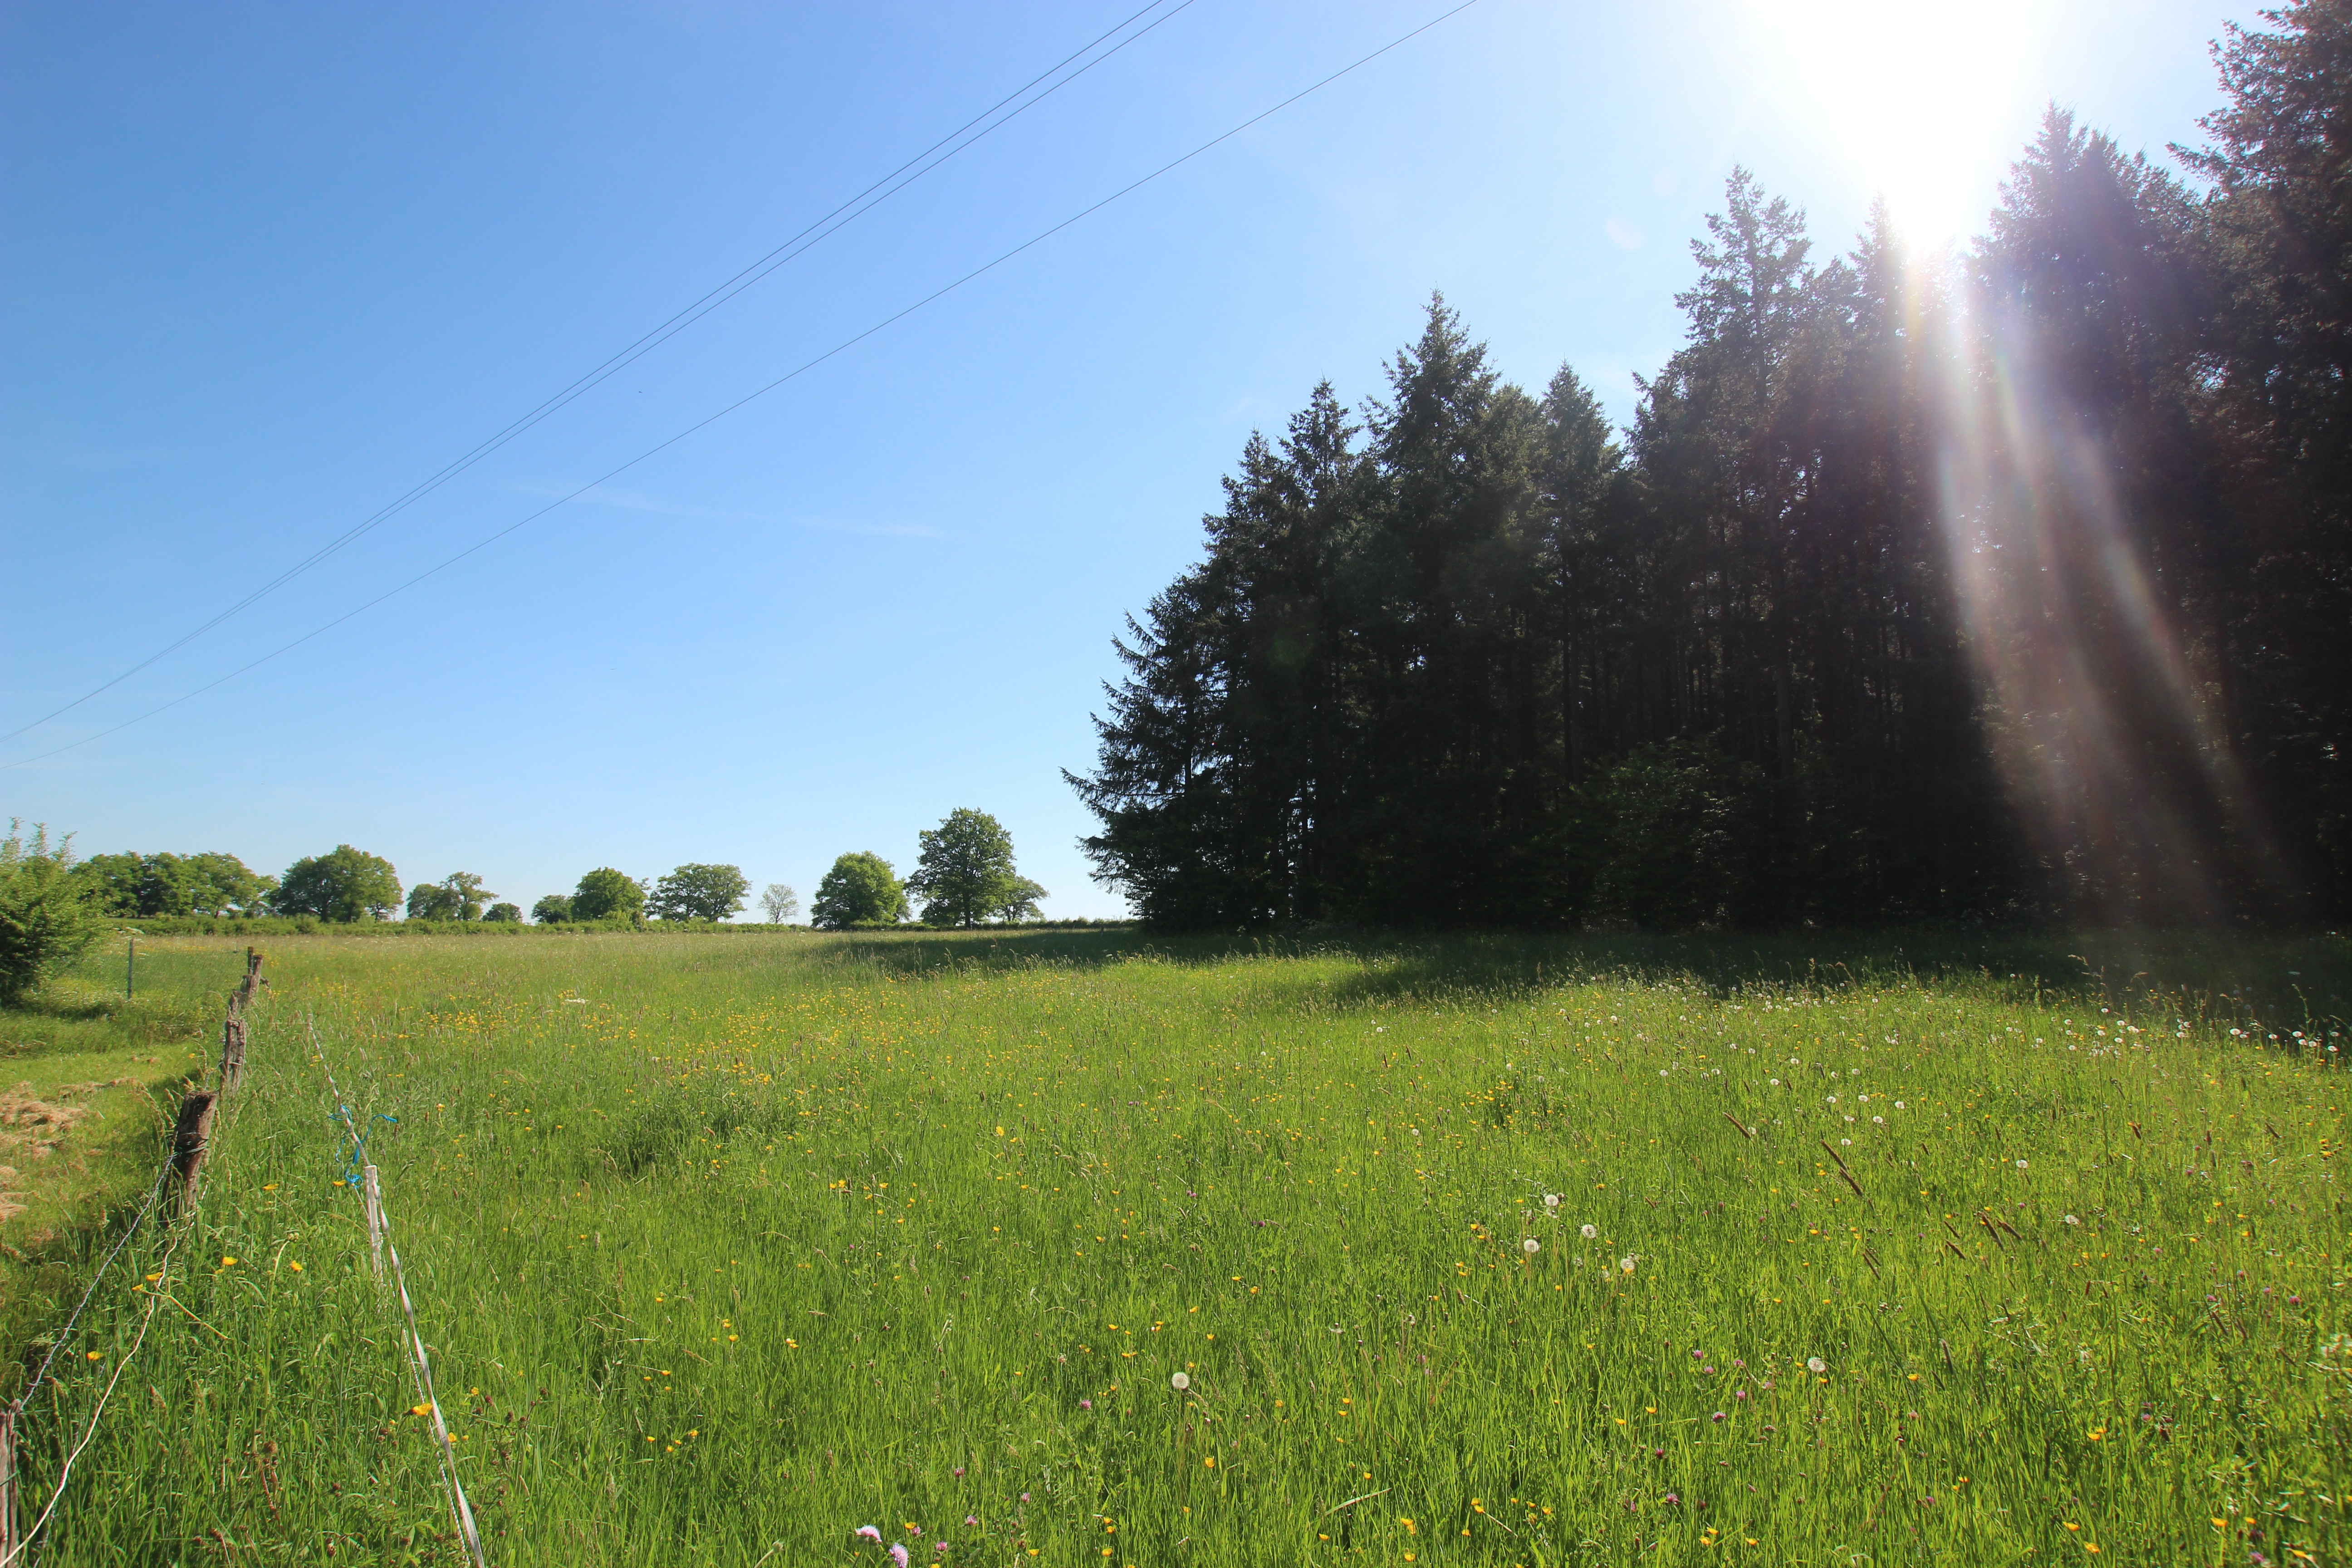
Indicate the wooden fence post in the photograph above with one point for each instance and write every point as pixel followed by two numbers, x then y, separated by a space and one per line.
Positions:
pixel 232 1028
pixel 188 1139
pixel 8 1480
pixel 372 1204
pixel 232 1067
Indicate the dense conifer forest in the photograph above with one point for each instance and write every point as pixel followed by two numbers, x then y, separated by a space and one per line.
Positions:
pixel 2013 584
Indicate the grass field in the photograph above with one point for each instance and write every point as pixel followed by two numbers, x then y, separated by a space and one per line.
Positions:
pixel 726 1247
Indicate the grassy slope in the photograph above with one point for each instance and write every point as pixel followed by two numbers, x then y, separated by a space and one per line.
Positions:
pixel 762 1241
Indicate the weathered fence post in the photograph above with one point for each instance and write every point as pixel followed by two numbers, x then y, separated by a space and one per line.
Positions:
pixel 372 1204
pixel 188 1139
pixel 8 1480
pixel 232 1028
pixel 232 1067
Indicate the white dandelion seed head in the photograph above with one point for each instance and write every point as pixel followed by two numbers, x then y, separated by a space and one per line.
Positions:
pixel 1626 1263
pixel 2071 1220
pixel 1816 1365
pixel 1179 1380
pixel 1899 1105
pixel 1878 1120
pixel 1531 1246
pixel 1589 1232
pixel 1551 1200
pixel 2021 1164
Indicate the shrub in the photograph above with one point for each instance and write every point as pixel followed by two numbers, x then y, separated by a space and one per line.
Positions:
pixel 1679 817
pixel 45 918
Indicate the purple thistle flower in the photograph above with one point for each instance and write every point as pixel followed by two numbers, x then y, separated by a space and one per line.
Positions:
pixel 898 1555
pixel 869 1532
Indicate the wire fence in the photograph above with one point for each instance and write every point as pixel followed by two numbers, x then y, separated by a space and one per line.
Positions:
pixel 180 1170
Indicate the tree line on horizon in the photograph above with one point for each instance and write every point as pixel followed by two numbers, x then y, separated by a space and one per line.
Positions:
pixel 965 876
pixel 2016 586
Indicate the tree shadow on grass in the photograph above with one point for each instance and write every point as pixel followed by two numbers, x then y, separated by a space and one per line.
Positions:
pixel 2296 978
pixel 2203 975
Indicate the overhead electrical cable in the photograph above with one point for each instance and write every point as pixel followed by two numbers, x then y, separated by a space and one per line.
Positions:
pixel 815 233
pixel 760 392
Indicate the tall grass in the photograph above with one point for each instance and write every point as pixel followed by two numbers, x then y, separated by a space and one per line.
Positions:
pixel 726 1248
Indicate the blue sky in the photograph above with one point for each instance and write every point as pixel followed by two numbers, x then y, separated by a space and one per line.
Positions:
pixel 266 266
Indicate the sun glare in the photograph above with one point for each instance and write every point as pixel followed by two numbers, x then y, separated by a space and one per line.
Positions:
pixel 1923 104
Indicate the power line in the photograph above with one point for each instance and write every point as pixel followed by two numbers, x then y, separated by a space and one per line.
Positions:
pixel 758 393
pixel 815 233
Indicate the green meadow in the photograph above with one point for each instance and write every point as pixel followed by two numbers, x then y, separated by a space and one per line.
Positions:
pixel 1078 1248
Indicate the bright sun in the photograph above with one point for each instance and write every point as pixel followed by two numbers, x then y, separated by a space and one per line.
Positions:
pixel 1924 104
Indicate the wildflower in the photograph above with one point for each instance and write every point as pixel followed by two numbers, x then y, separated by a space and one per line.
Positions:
pixel 2071 1220
pixel 228 1263
pixel 95 1355
pixel 869 1532
pixel 1551 1200
pixel 1531 1246
pixel 1878 1120
pixel 1626 1263
pixel 1847 1142
pixel 1589 1232
pixel 1085 1404
pixel 1816 1365
pixel 969 1520
pixel 1673 1499
pixel 1719 1415
pixel 2021 1164
pixel 294 1266
pixel 899 1553
pixel 1178 1381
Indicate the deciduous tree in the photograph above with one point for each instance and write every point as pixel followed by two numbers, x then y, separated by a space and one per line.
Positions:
pixel 699 892
pixel 862 888
pixel 344 886
pixel 965 873
pixel 606 894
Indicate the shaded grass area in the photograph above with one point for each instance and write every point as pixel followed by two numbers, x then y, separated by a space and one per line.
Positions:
pixel 89 1079
pixel 725 1247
